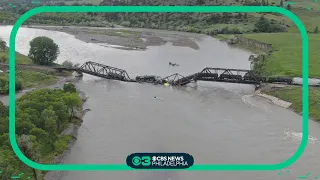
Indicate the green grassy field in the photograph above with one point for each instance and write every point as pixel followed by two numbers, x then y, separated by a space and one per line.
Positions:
pixel 286 60
pixel 28 78
pixel 31 78
pixel 294 95
pixel 20 59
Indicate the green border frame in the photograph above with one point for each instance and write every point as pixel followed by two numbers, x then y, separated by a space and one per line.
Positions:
pixel 207 9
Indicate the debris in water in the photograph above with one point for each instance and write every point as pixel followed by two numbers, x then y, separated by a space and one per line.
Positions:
pixel 298 136
pixel 155 97
pixel 173 64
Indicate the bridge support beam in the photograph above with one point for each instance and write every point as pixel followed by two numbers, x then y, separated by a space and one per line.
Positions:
pixel 78 74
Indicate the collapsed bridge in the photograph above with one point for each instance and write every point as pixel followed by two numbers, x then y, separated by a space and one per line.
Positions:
pixel 240 76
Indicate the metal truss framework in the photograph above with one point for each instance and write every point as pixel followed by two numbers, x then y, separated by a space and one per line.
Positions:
pixel 104 71
pixel 207 74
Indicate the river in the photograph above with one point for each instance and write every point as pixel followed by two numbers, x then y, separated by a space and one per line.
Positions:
pixel 217 123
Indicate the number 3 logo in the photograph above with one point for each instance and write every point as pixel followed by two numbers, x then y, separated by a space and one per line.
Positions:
pixel 146 161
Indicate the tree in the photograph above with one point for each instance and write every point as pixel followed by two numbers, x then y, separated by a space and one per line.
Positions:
pixel 3 44
pixel 3 59
pixel 281 3
pixel 316 30
pixel 4 126
pixel 69 87
pixel 289 7
pixel 76 65
pixel 245 16
pixel 3 110
pixel 23 126
pixel 61 110
pixel 30 148
pixel 43 51
pixel 262 25
pixel 67 64
pixel 41 135
pixel 73 101
pixel 200 2
pixel 50 119
pixel 18 86
pixel 8 164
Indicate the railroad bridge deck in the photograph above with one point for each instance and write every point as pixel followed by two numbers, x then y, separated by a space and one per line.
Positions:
pixel 100 70
pixel 207 74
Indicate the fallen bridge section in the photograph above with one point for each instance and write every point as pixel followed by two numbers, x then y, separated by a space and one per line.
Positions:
pixel 179 80
pixel 149 79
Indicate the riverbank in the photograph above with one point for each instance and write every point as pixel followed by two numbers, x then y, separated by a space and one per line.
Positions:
pixel 283 58
pixel 71 131
pixel 290 97
pixel 263 92
pixel 124 38
pixel 284 52
pixel 28 75
pixel 31 78
pixel 66 138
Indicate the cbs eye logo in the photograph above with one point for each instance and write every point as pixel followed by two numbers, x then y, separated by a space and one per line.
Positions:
pixel 144 161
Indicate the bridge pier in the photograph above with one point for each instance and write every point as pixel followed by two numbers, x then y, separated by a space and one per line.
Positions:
pixel 78 74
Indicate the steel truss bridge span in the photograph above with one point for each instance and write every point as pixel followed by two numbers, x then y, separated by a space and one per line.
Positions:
pixel 240 76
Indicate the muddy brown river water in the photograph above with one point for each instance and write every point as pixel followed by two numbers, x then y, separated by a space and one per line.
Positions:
pixel 217 123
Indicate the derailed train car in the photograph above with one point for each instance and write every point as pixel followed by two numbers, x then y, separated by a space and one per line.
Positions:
pixel 116 76
pixel 207 76
pixel 248 77
pixel 279 80
pixel 149 79
pixel 230 77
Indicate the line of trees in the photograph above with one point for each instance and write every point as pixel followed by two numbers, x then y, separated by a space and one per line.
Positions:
pixel 190 22
pixel 41 115
pixel 4 85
